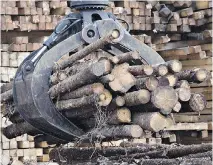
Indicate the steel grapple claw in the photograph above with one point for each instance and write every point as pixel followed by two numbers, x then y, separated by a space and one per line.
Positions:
pixel 31 83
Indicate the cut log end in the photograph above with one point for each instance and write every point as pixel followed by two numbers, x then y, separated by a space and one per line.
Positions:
pixel 164 98
pixel 184 94
pixel 174 66
pixel 201 75
pixel 197 102
pixel 136 131
pixel 182 84
pixel 152 121
pixel 177 107
pixel 119 101
pixel 102 67
pixel 124 115
pixel 105 98
pixel 172 80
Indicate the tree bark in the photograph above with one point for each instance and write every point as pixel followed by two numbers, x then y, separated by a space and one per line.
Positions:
pixel 82 112
pixel 18 129
pixel 137 97
pixel 141 70
pixel 77 103
pixel 163 81
pixel 125 57
pixel 119 131
pixel 83 52
pixel 195 75
pixel 122 115
pixel 152 121
pixel 150 83
pixel 84 77
pixel 96 88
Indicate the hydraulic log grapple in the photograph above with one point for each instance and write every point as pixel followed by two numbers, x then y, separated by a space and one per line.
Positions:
pixel 91 27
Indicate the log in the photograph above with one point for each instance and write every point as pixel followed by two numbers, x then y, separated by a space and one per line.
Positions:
pixel 160 70
pixel 141 70
pixel 206 161
pixel 184 94
pixel 6 87
pixel 57 77
pixel 195 75
pixel 152 121
pixel 172 80
pixel 182 84
pixel 174 66
pixel 164 98
pixel 120 101
pixel 7 96
pixel 197 102
pixel 137 97
pixel 77 103
pixel 177 107
pixel 119 131
pixel 93 153
pixel 163 81
pixel 84 52
pixel 84 77
pixel 149 83
pixel 126 57
pixel 96 88
pixel 82 112
pixel 75 68
pixel 122 115
pixel 102 99
pixel 123 79
pixel 18 129
pixel 16 118
pixel 105 98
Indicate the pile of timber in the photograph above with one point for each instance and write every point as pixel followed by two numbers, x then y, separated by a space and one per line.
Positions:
pixel 186 37
pixel 114 97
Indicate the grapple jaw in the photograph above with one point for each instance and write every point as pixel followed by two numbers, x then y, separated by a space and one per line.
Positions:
pixel 31 83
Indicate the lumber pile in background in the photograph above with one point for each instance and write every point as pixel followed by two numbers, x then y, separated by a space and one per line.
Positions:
pixel 187 37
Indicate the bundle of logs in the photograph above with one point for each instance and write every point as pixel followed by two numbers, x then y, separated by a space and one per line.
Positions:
pixel 142 154
pixel 113 97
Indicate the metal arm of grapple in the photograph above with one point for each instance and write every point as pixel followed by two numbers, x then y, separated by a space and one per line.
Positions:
pixel 31 85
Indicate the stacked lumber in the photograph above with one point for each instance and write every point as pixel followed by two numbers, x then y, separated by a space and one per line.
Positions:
pixel 23 148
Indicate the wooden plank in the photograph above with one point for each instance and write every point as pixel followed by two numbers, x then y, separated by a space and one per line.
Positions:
pixel 207 61
pixel 192 119
pixel 179 44
pixel 188 126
